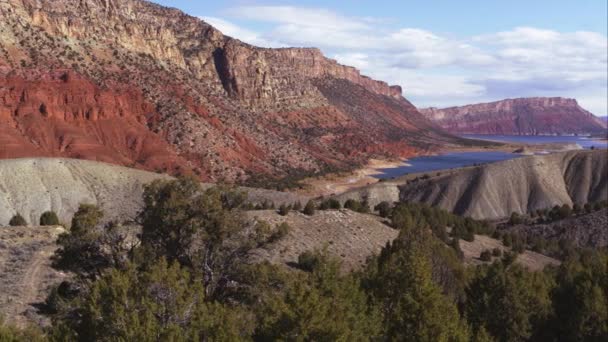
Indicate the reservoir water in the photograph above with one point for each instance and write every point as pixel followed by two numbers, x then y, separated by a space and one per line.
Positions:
pixel 460 159
pixel 445 161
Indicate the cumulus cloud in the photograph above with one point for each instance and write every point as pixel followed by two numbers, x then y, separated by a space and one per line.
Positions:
pixel 438 69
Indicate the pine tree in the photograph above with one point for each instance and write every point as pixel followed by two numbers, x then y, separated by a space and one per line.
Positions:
pixel 413 305
pixel 310 208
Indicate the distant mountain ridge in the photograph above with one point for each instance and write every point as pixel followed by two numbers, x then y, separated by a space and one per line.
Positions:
pixel 137 84
pixel 522 116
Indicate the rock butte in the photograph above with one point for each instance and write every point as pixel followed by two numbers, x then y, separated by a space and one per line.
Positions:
pixel 524 116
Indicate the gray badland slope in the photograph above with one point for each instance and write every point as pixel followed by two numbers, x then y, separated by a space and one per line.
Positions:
pixel 496 190
pixel 33 186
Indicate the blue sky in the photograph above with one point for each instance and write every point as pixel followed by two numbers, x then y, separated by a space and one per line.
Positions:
pixel 442 52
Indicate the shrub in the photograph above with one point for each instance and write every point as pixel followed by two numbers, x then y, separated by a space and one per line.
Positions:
pixel 308 260
pixel 49 218
pixel 330 204
pixel 309 209
pixel 17 220
pixel 455 244
pixel 280 232
pixel 515 219
pixel 297 206
pixel 497 252
pixel 354 205
pixel 383 209
pixel 284 210
pixel 486 255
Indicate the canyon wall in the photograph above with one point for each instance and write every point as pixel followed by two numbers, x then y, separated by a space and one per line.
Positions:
pixel 205 103
pixel 524 116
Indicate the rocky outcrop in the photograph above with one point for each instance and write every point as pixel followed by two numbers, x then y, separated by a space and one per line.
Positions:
pixel 496 190
pixel 524 116
pixel 221 108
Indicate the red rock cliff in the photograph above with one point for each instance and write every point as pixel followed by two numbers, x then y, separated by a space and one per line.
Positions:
pixel 220 106
pixel 524 116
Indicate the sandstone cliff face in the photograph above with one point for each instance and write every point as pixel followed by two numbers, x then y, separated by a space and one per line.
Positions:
pixel 524 116
pixel 224 109
pixel 496 190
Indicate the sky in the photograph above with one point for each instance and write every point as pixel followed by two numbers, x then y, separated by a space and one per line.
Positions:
pixel 442 52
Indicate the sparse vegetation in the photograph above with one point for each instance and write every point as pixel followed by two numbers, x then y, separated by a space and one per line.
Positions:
pixel 329 204
pixel 485 255
pixel 284 209
pixel 49 218
pixel 309 209
pixel 354 205
pixel 17 220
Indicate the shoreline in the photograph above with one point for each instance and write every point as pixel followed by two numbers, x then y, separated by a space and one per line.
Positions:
pixel 338 183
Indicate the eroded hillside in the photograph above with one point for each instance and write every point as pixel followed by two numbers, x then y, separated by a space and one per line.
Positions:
pixel 32 186
pixel 496 190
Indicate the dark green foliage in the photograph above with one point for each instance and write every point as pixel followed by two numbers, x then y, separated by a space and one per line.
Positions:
pixel 416 289
pixel 49 218
pixel 10 333
pixel 486 255
pixel 284 210
pixel 413 306
pixel 384 209
pixel 330 203
pixel 198 228
pixel 507 240
pixel 581 298
pixel 308 260
pixel 85 219
pixel 309 209
pixel 515 219
pixel 318 305
pixel 508 301
pixel 497 252
pixel 81 250
pixel 455 244
pixel 281 230
pixel 17 220
pixel 163 303
pixel 408 215
pixel 354 205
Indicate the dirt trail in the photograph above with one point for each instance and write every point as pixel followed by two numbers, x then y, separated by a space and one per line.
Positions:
pixel 25 273
pixel 30 283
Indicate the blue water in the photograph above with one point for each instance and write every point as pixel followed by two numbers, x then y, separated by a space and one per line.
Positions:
pixel 444 161
pixel 460 159
pixel 548 139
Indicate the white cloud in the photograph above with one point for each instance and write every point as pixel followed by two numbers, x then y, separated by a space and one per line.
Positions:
pixel 235 31
pixel 300 16
pixel 437 69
